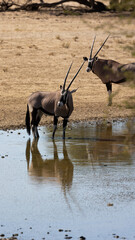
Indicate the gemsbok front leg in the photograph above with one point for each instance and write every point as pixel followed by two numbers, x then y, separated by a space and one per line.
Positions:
pixel 65 121
pixel 54 126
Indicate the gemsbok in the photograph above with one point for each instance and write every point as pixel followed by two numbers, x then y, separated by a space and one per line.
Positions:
pixel 110 71
pixel 56 104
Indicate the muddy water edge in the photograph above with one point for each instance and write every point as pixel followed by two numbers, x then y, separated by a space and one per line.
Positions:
pixel 80 188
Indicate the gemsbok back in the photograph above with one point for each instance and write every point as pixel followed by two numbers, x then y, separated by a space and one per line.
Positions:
pixel 110 71
pixel 56 104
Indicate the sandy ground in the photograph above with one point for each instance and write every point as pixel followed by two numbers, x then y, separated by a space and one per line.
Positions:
pixel 36 49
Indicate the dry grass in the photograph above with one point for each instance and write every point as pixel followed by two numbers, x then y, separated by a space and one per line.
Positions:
pixel 37 49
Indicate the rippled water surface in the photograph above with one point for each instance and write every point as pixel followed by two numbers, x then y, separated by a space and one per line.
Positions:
pixel 83 186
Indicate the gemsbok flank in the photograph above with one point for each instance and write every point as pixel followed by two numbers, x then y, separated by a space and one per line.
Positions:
pixel 56 104
pixel 110 71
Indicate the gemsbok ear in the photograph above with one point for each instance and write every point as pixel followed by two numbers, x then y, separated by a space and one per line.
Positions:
pixel 85 58
pixel 74 90
pixel 60 86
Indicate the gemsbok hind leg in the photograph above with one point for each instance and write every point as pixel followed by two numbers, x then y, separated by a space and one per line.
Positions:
pixel 36 117
pixel 109 90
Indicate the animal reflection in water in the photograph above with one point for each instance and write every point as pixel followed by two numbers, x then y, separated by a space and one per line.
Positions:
pixel 105 145
pixel 113 148
pixel 59 170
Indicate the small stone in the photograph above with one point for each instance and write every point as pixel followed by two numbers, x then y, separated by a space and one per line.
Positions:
pixel 82 238
pixel 110 204
pixel 15 235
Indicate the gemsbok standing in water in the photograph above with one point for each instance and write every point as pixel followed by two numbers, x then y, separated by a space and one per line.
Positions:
pixel 57 104
pixel 110 71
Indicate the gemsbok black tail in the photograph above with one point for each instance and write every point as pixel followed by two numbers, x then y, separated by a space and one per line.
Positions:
pixel 27 120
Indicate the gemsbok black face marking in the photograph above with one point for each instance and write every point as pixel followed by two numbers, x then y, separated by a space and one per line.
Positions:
pixel 57 104
pixel 109 71
pixel 63 99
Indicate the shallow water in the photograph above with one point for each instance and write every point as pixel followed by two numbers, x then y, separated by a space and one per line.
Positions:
pixel 83 186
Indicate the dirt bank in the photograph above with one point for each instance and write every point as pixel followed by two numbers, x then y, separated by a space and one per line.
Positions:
pixel 36 49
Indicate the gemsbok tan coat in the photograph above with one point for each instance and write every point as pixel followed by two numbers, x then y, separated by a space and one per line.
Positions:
pixel 56 104
pixel 110 71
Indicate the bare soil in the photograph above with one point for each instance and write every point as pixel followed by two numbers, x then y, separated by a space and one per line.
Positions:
pixel 36 49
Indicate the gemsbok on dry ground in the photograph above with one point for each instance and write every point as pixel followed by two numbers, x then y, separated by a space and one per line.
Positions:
pixel 110 71
pixel 56 104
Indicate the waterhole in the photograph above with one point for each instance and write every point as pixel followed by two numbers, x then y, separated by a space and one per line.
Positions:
pixel 82 187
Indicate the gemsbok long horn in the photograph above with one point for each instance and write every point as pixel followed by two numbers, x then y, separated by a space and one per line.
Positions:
pixel 75 75
pixel 92 47
pixel 66 76
pixel 110 71
pixel 101 46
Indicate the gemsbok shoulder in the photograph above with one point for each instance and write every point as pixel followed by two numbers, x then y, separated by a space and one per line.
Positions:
pixel 56 104
pixel 110 71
